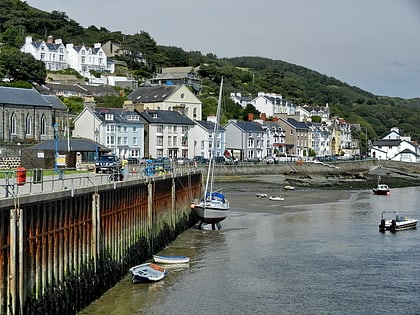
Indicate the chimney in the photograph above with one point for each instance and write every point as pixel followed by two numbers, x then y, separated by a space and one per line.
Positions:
pixel 89 102
pixel 263 117
pixel 250 117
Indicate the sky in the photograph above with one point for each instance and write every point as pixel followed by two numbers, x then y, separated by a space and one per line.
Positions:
pixel 371 44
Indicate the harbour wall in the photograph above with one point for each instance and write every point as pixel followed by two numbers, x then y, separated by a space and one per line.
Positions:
pixel 59 251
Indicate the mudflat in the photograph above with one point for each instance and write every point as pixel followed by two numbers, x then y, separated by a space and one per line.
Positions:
pixel 242 194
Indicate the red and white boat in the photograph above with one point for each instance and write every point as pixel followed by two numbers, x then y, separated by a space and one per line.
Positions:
pixel 381 189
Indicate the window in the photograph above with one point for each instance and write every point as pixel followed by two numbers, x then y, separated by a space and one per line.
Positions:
pixel 28 125
pixel 110 128
pixel 159 140
pixel 169 141
pixel 43 126
pixel 159 128
pixel 119 141
pixel 109 117
pixel 184 129
pixel 110 140
pixel 13 124
pixel 134 140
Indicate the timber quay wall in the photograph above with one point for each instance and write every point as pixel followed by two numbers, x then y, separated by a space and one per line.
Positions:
pixel 61 250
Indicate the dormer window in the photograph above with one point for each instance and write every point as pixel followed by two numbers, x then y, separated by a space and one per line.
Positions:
pixel 109 117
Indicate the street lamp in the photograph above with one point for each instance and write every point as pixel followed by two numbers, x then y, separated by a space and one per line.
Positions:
pixel 56 147
pixel 96 143
pixel 366 144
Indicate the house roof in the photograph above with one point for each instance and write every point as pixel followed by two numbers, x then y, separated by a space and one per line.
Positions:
pixel 249 126
pixel 152 94
pixel 75 145
pixel 165 117
pixel 297 124
pixel 120 115
pixel 208 125
pixel 81 89
pixel 19 96
pixel 55 102
pixel 387 142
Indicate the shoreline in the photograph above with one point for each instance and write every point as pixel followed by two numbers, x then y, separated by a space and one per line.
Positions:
pixel 242 195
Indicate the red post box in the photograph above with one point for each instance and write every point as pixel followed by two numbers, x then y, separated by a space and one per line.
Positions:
pixel 21 176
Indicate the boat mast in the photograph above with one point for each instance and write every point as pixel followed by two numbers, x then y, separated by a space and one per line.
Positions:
pixel 210 171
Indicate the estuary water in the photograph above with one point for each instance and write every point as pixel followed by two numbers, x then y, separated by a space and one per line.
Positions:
pixel 288 258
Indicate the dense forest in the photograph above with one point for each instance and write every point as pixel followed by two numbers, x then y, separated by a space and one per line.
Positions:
pixel 248 75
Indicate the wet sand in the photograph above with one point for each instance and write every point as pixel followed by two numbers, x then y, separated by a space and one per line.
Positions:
pixel 242 194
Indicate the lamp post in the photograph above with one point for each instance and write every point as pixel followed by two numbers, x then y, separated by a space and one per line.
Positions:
pixel 366 144
pixel 56 147
pixel 96 143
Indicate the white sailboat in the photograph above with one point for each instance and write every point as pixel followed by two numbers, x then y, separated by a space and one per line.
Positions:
pixel 213 207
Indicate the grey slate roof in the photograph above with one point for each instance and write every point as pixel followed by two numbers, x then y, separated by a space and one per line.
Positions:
pixel 76 145
pixel 208 125
pixel 22 97
pixel 120 115
pixel 152 94
pixel 297 124
pixel 385 142
pixel 165 117
pixel 81 89
pixel 55 102
pixel 249 126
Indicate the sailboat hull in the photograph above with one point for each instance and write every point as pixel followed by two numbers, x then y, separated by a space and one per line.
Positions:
pixel 210 215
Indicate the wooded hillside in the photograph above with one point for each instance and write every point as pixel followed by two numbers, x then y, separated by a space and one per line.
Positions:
pixel 248 75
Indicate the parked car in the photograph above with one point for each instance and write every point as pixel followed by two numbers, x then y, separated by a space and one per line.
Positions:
pixel 133 160
pixel 108 164
pixel 219 160
pixel 183 161
pixel 200 159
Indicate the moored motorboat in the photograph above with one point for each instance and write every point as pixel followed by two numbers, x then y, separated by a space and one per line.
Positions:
pixel 148 272
pixel 169 259
pixel 381 189
pixel 261 195
pixel 398 223
pixel 289 187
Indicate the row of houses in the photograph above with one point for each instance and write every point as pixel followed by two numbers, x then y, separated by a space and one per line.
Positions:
pixel 166 121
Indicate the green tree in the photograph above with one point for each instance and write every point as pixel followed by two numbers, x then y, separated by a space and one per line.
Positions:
pixel 18 66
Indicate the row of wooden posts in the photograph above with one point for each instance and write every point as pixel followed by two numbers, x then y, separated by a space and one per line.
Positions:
pixel 51 244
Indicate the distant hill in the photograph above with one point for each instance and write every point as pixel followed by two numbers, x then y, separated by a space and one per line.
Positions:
pixel 248 75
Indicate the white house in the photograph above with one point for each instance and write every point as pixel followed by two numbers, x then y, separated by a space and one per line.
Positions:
pixel 52 52
pixel 120 130
pixel 84 59
pixel 203 134
pixel 167 134
pixel 395 147
pixel 273 105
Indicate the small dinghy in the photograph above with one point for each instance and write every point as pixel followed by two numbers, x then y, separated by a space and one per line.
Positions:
pixel 166 259
pixel 289 187
pixel 276 198
pixel 148 272
pixel 260 195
